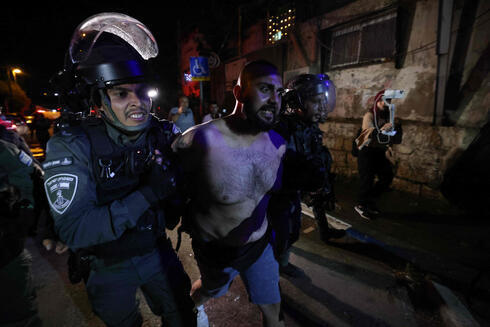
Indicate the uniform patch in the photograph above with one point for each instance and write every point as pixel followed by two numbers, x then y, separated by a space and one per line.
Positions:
pixel 25 158
pixel 66 161
pixel 61 190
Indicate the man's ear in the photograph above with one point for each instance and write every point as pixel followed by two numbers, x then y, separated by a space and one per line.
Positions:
pixel 238 93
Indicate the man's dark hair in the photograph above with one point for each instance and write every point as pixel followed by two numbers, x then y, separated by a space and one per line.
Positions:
pixel 256 69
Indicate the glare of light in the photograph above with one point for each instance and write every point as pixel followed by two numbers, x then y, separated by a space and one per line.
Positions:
pixel 16 71
pixel 153 93
pixel 188 77
pixel 56 94
pixel 277 36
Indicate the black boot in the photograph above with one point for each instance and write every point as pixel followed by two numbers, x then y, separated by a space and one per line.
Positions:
pixel 326 232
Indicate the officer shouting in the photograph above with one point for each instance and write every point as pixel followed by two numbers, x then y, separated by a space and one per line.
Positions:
pixel 110 180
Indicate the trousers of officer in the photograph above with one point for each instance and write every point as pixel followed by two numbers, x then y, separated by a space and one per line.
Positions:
pixel 160 277
pixel 285 217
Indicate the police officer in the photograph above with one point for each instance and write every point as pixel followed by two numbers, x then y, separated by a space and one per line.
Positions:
pixel 110 181
pixel 307 101
pixel 19 173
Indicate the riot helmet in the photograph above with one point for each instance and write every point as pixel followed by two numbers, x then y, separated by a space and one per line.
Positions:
pixel 106 50
pixel 307 86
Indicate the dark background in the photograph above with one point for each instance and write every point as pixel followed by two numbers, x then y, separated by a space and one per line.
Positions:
pixel 36 38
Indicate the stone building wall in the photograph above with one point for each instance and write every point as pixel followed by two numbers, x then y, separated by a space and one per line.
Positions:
pixel 419 161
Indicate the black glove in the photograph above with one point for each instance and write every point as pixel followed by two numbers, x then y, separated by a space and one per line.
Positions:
pixel 158 183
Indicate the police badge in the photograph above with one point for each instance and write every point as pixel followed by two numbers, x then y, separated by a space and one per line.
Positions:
pixel 61 190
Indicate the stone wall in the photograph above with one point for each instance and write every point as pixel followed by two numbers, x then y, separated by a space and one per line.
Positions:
pixel 419 161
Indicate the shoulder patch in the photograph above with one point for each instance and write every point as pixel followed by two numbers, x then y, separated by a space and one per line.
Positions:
pixel 66 161
pixel 60 191
pixel 25 158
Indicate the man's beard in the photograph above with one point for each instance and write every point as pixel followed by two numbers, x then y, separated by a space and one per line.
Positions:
pixel 261 123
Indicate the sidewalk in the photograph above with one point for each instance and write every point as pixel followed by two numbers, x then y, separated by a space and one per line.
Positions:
pixel 444 245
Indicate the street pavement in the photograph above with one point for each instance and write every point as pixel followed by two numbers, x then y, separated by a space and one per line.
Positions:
pixel 342 289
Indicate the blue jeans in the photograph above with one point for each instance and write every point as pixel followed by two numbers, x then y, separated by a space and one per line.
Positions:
pixel 261 279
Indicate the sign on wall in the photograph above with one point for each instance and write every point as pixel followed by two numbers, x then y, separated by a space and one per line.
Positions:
pixel 199 68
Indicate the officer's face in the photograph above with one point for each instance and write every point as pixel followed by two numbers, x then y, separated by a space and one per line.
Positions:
pixel 130 103
pixel 263 100
pixel 316 108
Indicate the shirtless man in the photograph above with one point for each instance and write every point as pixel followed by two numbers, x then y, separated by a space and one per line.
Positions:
pixel 231 165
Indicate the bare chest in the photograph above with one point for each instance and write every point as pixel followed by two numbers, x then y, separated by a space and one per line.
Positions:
pixel 238 174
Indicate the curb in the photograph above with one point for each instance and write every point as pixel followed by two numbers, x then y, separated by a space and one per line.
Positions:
pixel 453 312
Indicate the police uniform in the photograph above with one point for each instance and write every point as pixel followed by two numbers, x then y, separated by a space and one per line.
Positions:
pixel 93 177
pixel 18 170
pixel 307 163
pixel 306 166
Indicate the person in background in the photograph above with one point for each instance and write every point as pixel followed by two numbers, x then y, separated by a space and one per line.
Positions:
pixel 182 116
pixel 213 112
pixel 42 125
pixel 373 156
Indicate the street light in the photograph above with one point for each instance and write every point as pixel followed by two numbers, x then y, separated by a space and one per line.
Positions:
pixel 16 71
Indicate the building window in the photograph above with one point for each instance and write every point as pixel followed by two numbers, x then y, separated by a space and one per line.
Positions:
pixel 278 26
pixel 369 40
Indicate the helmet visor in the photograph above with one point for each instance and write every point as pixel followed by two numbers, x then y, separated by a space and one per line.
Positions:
pixel 326 87
pixel 127 28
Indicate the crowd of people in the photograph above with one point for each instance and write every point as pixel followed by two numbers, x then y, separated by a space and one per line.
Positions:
pixel 112 184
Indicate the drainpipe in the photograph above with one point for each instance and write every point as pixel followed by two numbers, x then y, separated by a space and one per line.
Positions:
pixel 443 42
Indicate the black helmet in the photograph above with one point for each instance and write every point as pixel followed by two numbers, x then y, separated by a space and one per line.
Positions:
pixel 106 49
pixel 112 48
pixel 304 86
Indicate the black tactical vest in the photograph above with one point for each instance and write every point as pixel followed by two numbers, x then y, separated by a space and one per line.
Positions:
pixel 117 171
